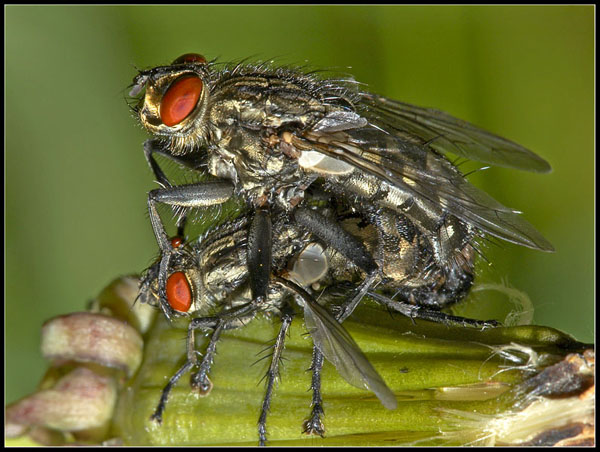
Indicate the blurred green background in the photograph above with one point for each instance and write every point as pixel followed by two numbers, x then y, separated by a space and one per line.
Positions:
pixel 76 179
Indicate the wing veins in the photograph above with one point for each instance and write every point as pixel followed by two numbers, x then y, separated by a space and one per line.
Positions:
pixel 466 202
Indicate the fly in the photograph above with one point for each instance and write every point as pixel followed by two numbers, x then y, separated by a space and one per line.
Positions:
pixel 210 282
pixel 267 134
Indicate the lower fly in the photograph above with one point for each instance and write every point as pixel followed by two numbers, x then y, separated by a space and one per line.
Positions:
pixel 209 282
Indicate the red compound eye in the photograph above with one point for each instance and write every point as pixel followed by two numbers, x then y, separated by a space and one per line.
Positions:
pixel 179 293
pixel 180 100
pixel 190 58
pixel 176 242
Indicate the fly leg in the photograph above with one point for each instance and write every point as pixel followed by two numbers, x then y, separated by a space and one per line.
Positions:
pixel 419 312
pixel 152 147
pixel 190 195
pixel 353 249
pixel 338 238
pixel 272 375
pixel 190 362
pixel 334 342
pixel 217 323
pixel 200 380
pixel 259 271
pixel 314 424
pixel 259 254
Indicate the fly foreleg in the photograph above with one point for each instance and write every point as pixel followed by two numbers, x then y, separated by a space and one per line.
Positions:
pixel 152 147
pixel 191 360
pixel 200 379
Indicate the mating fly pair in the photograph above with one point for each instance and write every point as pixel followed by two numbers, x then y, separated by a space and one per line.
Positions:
pixel 346 193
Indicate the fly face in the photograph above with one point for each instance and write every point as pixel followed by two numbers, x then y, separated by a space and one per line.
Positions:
pixel 174 104
pixel 205 276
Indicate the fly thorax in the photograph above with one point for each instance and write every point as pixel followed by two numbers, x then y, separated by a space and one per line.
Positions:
pixel 258 165
pixel 222 269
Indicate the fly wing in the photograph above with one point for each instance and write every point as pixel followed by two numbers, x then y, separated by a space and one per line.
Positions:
pixel 340 349
pixel 446 133
pixel 413 168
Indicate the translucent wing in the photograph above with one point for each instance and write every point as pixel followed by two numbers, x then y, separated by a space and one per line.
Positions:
pixel 412 168
pixel 446 133
pixel 340 349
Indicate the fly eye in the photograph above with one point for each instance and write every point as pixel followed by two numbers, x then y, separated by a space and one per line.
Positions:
pixel 190 58
pixel 180 100
pixel 179 293
pixel 176 242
